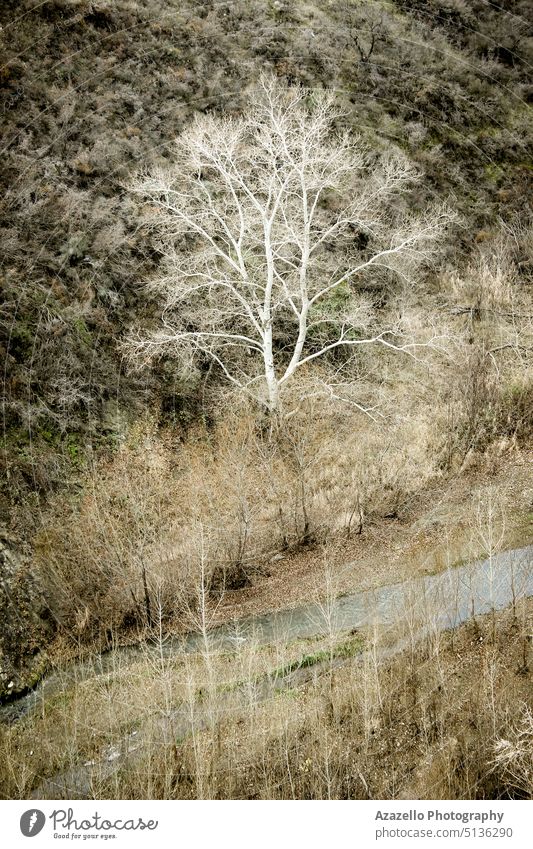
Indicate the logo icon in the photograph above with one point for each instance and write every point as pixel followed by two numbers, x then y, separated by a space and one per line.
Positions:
pixel 32 822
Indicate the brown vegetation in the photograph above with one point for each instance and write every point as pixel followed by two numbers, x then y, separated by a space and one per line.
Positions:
pixel 231 496
pixel 449 717
pixel 136 505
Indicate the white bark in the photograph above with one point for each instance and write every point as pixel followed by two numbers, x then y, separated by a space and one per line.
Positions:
pixel 258 220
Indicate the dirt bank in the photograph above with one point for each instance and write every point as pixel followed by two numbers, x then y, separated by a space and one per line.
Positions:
pixel 449 522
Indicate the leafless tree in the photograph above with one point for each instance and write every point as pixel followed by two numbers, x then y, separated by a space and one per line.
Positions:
pixel 373 33
pixel 266 222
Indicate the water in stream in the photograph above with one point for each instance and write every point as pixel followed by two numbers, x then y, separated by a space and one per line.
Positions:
pixel 406 611
pixel 447 599
pixel 433 602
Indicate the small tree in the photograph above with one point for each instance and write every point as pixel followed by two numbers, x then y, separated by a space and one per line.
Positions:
pixel 266 222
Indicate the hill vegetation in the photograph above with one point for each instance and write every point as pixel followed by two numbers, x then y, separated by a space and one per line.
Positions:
pixel 92 91
pixel 124 490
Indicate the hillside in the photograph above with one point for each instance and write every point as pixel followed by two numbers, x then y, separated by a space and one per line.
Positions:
pixel 94 91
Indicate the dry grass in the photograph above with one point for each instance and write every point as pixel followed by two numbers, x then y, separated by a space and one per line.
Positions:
pixel 426 725
pixel 448 717
pixel 159 514
pixel 438 527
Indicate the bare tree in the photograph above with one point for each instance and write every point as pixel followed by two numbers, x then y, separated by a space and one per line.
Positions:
pixel 266 222
pixel 374 32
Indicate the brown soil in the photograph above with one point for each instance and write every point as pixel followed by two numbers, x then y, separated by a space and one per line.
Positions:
pixel 440 526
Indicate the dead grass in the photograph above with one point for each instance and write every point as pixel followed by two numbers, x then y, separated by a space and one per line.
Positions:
pixel 448 717
pixel 430 724
pixel 436 527
pixel 249 522
pixel 162 516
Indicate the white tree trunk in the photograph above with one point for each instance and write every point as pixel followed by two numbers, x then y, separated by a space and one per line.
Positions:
pixel 270 373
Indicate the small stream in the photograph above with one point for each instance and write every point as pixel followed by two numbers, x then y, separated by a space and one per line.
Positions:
pixel 431 603
pixel 405 612
pixel 447 598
